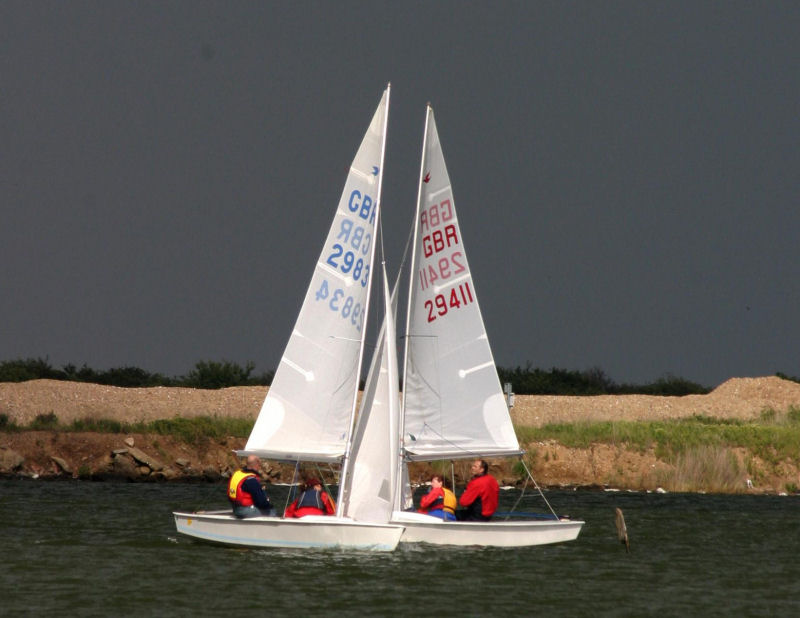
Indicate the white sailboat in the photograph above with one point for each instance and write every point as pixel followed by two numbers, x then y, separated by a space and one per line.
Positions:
pixel 309 411
pixel 368 493
pixel 453 406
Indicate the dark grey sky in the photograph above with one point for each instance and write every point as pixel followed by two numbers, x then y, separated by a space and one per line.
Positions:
pixel 626 174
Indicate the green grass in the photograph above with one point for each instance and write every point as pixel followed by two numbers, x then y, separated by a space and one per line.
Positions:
pixel 776 435
pixel 705 468
pixel 190 430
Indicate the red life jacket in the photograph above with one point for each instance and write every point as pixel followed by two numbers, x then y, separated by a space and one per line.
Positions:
pixel 235 492
pixel 311 502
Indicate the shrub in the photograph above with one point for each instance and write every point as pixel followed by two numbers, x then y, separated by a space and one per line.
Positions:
pixel 213 375
pixel 21 370
pixel 44 421
pixel 768 415
pixel 206 374
pixel 529 381
pixel 131 377
pixel 98 425
pixel 6 424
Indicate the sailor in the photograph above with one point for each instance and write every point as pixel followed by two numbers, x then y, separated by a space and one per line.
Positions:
pixel 439 501
pixel 481 495
pixel 312 501
pixel 245 492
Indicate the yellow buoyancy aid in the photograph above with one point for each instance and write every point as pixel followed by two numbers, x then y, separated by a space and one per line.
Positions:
pixel 449 500
pixel 235 483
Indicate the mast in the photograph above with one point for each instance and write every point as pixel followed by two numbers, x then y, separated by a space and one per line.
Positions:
pixel 349 445
pixel 401 420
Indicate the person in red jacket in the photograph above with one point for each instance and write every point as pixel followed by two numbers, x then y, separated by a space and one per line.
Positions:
pixel 439 501
pixel 313 501
pixel 481 495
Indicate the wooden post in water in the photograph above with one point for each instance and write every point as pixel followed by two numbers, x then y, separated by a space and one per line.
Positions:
pixel 622 530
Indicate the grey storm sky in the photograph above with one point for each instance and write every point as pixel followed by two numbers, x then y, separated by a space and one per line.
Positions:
pixel 626 174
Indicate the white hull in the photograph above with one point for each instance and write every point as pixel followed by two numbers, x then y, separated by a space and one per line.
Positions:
pixel 305 532
pixel 421 528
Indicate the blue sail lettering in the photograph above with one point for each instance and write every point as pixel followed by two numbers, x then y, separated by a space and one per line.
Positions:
pixel 362 205
pixel 366 207
pixel 344 231
pixel 355 201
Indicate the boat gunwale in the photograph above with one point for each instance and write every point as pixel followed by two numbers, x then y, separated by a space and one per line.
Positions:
pixel 226 516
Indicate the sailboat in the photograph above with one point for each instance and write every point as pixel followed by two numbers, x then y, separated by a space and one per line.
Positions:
pixel 452 403
pixel 310 410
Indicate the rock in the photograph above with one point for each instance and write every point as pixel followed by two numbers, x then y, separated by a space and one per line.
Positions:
pixel 145 459
pixel 182 462
pixel 129 441
pixel 167 474
pixel 211 474
pixel 124 467
pixel 65 467
pixel 10 460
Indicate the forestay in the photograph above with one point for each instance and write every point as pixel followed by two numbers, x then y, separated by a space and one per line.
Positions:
pixel 307 412
pixel 453 404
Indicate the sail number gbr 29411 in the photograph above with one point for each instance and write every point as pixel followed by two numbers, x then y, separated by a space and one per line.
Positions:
pixel 440 304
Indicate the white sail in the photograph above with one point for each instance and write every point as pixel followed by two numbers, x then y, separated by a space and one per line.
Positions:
pixel 369 495
pixel 453 404
pixel 308 410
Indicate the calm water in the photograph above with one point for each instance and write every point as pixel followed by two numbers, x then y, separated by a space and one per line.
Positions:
pixel 100 549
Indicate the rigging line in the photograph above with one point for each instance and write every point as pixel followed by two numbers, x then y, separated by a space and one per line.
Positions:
pixel 404 259
pixel 536 485
pixel 521 495
pixel 324 484
pixel 380 235
pixel 293 486
pixel 450 442
pixel 427 382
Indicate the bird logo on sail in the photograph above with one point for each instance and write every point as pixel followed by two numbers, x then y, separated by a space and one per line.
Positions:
pixel 375 170
pixel 427 177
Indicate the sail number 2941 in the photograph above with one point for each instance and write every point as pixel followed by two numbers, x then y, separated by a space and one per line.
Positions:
pixel 442 303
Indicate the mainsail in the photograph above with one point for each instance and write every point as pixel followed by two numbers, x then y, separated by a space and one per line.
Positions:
pixel 453 405
pixel 309 408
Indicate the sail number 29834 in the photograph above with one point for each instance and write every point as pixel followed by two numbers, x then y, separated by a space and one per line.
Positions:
pixel 339 302
pixel 442 303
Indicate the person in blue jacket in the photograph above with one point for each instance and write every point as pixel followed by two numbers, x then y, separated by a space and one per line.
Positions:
pixel 247 497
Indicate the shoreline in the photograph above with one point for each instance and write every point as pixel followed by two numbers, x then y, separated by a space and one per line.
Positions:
pixel 164 458
pixel 151 458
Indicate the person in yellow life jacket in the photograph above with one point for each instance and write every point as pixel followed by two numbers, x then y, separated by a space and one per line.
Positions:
pixel 312 501
pixel 439 501
pixel 245 493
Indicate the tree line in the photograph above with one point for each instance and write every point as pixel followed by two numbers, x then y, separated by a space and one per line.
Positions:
pixel 525 380
pixel 533 381
pixel 205 374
